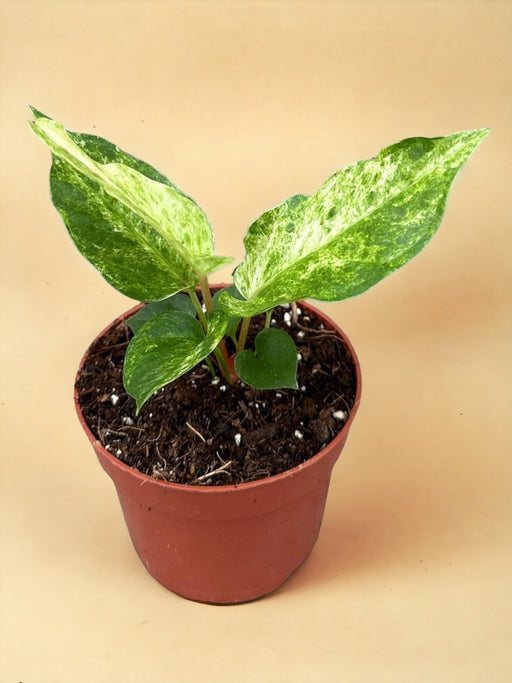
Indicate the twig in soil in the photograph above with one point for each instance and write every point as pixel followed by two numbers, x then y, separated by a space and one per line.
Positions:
pixel 220 469
pixel 193 429
pixel 295 316
pixel 112 432
pixel 258 474
pixel 134 428
pixel 115 346
pixel 340 398
pixel 314 371
pixel 86 392
pixel 318 333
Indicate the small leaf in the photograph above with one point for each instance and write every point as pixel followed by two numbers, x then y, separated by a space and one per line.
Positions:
pixel 166 347
pixel 273 365
pixel 146 237
pixel 177 302
pixel 367 220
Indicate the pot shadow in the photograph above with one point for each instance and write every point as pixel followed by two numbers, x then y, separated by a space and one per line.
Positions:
pixel 389 530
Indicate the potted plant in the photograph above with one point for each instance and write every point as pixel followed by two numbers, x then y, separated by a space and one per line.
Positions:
pixel 219 411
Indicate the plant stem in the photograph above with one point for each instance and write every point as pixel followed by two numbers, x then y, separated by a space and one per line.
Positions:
pixel 198 308
pixel 220 352
pixel 295 318
pixel 268 316
pixel 205 291
pixel 223 363
pixel 242 337
pixel 210 366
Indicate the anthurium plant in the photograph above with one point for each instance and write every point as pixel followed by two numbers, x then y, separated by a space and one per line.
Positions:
pixel 153 243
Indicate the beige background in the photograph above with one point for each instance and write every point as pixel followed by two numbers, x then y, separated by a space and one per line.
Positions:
pixel 243 104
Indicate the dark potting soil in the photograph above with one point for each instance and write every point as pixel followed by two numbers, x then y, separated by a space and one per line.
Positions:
pixel 199 430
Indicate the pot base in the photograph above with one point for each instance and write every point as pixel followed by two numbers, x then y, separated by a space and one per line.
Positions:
pixel 224 545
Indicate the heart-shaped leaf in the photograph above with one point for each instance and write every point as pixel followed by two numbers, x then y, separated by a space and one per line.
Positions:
pixel 178 302
pixel 273 365
pixel 146 237
pixel 166 347
pixel 366 221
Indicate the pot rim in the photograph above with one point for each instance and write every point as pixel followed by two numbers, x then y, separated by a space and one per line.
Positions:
pixel 226 488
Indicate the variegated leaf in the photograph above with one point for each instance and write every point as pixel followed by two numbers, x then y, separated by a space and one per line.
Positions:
pixel 366 221
pixel 166 347
pixel 147 238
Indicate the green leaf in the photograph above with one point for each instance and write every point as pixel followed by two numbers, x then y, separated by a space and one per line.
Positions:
pixel 367 220
pixel 166 347
pixel 234 321
pixel 273 365
pixel 147 238
pixel 177 302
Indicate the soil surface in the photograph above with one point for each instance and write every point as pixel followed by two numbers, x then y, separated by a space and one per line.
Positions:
pixel 199 430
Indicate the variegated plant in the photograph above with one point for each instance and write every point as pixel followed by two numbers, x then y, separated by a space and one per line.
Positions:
pixel 154 244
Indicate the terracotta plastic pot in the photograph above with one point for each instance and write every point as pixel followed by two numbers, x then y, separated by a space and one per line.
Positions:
pixel 226 544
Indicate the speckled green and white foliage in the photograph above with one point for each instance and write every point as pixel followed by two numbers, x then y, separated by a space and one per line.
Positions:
pixel 147 238
pixel 166 347
pixel 366 221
